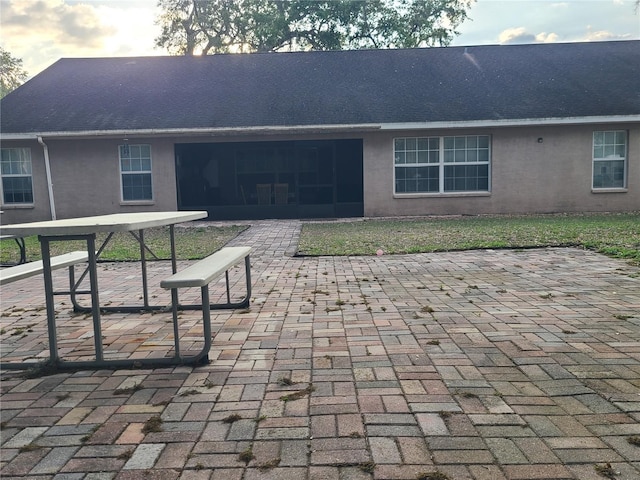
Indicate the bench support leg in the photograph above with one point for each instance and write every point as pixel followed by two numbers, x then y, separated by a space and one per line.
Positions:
pixel 174 312
pixel 48 294
pixel 202 356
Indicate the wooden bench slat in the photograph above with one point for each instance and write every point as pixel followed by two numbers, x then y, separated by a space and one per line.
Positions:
pixel 204 271
pixel 25 270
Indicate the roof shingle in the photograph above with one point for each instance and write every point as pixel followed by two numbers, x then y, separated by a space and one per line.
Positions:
pixel 451 84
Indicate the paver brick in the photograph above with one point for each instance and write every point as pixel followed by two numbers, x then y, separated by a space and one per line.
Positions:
pixel 522 385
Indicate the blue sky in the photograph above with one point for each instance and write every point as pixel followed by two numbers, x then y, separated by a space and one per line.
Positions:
pixel 42 31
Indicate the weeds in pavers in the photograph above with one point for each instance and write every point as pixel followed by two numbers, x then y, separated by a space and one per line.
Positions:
pixel 154 424
pixel 86 438
pixel 569 332
pixel 285 381
pixel 246 455
pixel 126 455
pixel 128 390
pixel 231 418
pixel 635 440
pixel 469 395
pixel 427 309
pixel 62 396
pixel 605 470
pixel 29 447
pixel 433 342
pixel 260 418
pixel 299 394
pixel 42 369
pixel 622 317
pixel 437 475
pixel 187 393
pixel 367 467
pixel 263 467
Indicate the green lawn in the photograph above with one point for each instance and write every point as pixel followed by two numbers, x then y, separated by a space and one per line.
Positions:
pixel 613 234
pixel 616 235
pixel 191 243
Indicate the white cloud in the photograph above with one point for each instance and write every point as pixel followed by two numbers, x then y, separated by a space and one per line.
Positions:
pixel 524 21
pixel 545 37
pixel 42 31
pixel 516 35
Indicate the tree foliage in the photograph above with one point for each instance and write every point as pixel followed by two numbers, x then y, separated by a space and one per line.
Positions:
pixel 12 75
pixel 221 26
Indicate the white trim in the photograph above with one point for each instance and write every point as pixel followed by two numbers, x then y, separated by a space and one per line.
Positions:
pixel 625 161
pixel 124 201
pixel 521 122
pixel 337 128
pixel 267 130
pixel 10 205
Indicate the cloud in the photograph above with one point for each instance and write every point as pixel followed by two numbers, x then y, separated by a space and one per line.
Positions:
pixel 521 35
pixel 601 35
pixel 516 35
pixel 42 31
pixel 71 26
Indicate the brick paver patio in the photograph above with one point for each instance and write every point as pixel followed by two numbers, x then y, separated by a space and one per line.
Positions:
pixel 484 365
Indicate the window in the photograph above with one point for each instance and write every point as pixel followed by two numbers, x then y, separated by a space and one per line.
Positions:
pixel 442 164
pixel 17 183
pixel 135 170
pixel 609 159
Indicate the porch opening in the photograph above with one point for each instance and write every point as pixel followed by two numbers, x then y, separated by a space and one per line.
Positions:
pixel 281 179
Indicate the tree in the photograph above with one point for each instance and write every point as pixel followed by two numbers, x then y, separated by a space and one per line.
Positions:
pixel 221 26
pixel 12 75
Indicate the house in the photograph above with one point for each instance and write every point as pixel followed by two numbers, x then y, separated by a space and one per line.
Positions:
pixel 457 130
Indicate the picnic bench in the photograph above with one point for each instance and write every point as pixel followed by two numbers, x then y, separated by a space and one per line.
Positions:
pixel 201 274
pixel 29 269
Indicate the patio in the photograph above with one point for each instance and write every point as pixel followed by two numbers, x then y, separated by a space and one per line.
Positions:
pixel 484 365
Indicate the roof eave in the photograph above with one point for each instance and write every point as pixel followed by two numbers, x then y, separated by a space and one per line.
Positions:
pixel 276 130
pixel 515 122
pixel 182 132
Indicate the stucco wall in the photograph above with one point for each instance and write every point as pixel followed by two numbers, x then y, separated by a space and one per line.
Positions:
pixel 86 179
pixel 527 176
pixel 40 210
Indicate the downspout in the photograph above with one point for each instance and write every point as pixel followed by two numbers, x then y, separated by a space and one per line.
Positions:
pixel 47 166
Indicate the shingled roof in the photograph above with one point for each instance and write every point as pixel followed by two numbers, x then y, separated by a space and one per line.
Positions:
pixel 337 88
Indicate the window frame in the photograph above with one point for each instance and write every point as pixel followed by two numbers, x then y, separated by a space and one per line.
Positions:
pixel 442 165
pixel 123 173
pixel 29 175
pixel 610 159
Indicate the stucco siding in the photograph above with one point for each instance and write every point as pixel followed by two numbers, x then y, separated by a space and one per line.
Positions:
pixel 86 179
pixel 40 209
pixel 533 170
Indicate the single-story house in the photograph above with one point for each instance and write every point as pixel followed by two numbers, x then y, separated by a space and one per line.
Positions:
pixel 455 130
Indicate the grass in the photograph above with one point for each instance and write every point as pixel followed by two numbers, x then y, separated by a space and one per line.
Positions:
pixel 616 235
pixel 191 243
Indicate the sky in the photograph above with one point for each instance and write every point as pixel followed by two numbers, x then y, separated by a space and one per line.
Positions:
pixel 42 31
